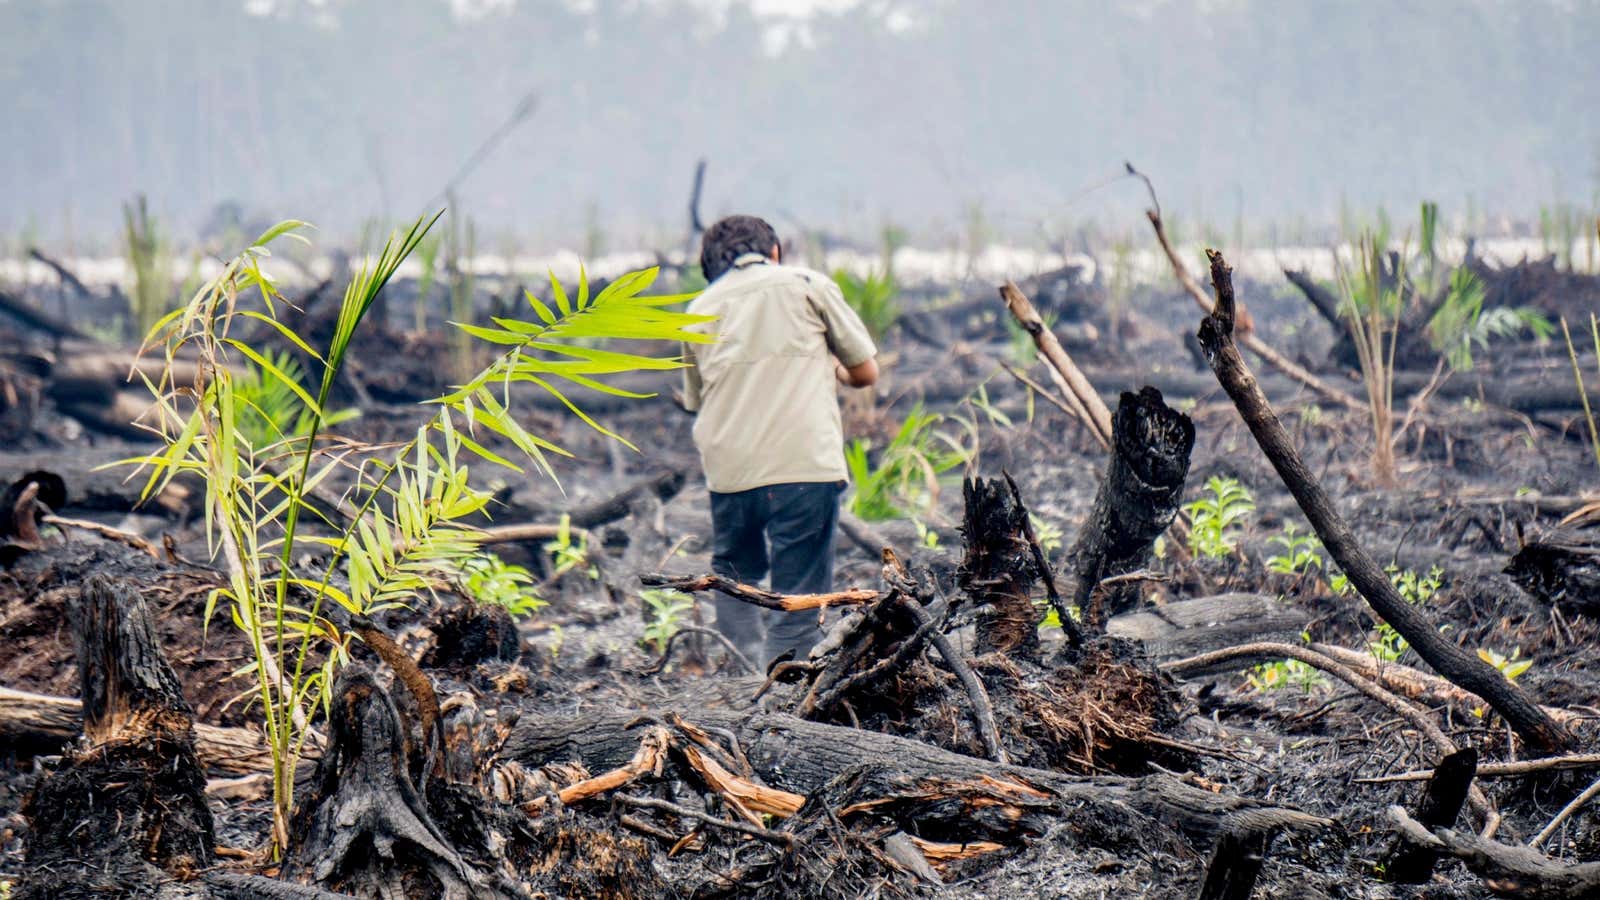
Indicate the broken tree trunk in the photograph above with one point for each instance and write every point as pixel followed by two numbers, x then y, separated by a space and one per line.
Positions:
pixel 1138 499
pixel 127 811
pixel 998 569
pixel 1449 660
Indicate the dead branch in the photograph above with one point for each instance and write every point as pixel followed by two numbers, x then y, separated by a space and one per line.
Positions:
pixel 1419 685
pixel 1565 814
pixel 759 596
pixel 1501 769
pixel 672 642
pixel 982 709
pixel 684 812
pixel 1506 870
pixel 1068 377
pixel 1455 664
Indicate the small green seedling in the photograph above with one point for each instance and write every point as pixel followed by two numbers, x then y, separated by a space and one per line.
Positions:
pixel 1215 517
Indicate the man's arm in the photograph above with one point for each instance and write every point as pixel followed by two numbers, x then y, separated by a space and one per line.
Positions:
pixel 854 353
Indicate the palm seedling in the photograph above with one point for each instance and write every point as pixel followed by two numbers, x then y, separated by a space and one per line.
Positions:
pixel 402 533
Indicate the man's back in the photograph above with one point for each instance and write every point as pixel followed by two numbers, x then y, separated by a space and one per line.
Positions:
pixel 768 410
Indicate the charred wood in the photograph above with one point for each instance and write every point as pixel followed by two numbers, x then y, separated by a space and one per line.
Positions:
pixel 1441 802
pixel 128 807
pixel 1460 667
pixel 1137 501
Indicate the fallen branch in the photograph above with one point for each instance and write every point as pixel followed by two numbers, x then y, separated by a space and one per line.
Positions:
pixel 759 596
pixel 1501 769
pixel 1454 663
pixel 982 709
pixel 1419 685
pixel 1506 870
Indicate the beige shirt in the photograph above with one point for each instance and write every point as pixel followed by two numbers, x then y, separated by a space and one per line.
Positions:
pixel 765 393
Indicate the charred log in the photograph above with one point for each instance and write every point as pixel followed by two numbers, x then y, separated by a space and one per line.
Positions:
pixel 126 811
pixel 1137 501
pixel 998 569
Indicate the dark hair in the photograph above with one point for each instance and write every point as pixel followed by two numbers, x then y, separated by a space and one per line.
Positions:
pixel 730 238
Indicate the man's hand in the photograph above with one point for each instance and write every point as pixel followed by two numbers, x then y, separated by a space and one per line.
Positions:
pixel 860 375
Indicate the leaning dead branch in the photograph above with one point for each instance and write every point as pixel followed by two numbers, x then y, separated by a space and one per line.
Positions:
pixel 1077 390
pixel 1247 335
pixel 1369 579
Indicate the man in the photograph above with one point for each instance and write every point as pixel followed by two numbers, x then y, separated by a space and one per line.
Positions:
pixel 767 425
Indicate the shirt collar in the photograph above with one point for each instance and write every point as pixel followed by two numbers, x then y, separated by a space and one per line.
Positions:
pixel 750 259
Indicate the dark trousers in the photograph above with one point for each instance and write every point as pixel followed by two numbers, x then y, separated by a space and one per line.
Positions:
pixel 786 529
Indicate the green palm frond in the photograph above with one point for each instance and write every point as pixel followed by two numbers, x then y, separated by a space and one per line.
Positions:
pixel 549 355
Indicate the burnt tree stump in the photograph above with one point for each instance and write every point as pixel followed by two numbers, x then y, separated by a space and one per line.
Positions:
pixel 998 568
pixel 126 811
pixel 1137 501
pixel 365 829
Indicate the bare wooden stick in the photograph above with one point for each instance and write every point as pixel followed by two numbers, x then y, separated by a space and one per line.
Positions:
pixel 1077 413
pixel 1565 814
pixel 765 834
pixel 982 709
pixel 759 596
pixel 1501 769
pixel 1063 370
pixel 1369 579
pixel 528 531
pixel 733 651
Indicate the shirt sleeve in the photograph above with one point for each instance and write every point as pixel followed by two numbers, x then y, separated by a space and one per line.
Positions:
pixel 691 380
pixel 847 337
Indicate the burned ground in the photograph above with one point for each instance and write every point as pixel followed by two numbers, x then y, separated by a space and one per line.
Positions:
pixel 1110 776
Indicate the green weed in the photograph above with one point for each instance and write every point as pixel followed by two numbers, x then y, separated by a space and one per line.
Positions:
pixel 568 554
pixel 491 580
pixel 666 611
pixel 150 260
pixel 905 479
pixel 1215 517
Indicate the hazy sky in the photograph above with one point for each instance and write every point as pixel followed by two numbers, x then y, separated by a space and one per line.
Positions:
pixel 940 115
